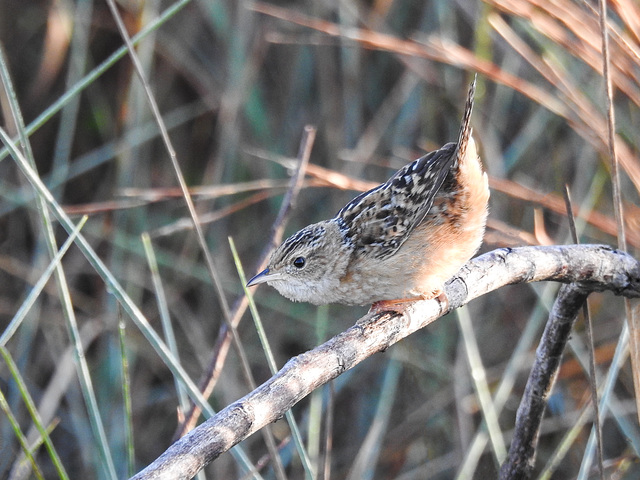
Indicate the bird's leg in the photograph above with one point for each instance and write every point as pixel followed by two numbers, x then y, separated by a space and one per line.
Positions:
pixel 397 306
pixel 400 305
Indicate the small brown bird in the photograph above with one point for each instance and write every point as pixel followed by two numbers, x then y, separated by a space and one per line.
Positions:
pixel 398 242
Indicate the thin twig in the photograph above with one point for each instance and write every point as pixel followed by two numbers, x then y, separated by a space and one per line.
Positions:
pixel 328 432
pixel 268 434
pixel 630 313
pixel 592 360
pixel 615 171
pixel 211 375
pixel 292 194
pixel 178 171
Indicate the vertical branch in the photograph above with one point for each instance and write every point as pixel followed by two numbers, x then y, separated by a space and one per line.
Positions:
pixel 521 458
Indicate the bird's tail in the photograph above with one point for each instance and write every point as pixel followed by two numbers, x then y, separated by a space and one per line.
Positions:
pixel 465 127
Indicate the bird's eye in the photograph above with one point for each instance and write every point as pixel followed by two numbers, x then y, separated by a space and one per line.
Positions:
pixel 299 262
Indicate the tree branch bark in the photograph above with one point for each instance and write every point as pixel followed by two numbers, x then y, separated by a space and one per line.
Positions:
pixel 590 267
pixel 520 461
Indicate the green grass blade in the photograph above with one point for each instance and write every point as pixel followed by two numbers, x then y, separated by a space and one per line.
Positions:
pixel 118 291
pixel 92 76
pixel 61 281
pixel 163 309
pixel 33 412
pixel 126 395
pixel 478 374
pixel 293 425
pixel 40 284
pixel 4 405
pixel 369 455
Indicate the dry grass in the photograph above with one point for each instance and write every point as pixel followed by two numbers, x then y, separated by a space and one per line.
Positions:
pixel 236 85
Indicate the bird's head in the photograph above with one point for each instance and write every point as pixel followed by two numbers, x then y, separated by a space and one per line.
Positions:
pixel 308 265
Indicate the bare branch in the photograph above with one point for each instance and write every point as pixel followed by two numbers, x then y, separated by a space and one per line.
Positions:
pixel 520 462
pixel 592 267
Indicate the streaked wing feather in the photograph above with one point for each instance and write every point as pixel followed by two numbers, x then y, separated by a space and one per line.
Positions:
pixel 379 221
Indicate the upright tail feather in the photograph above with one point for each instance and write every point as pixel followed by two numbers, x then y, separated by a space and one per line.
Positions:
pixel 465 127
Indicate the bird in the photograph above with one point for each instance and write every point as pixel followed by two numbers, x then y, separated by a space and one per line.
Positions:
pixel 396 243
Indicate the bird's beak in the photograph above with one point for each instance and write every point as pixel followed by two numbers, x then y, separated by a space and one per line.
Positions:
pixel 262 277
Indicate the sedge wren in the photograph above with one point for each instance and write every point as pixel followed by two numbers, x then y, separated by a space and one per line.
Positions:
pixel 398 242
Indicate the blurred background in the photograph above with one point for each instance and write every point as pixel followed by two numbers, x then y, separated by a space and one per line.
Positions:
pixel 236 83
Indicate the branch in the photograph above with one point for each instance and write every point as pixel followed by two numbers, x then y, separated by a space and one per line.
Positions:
pixel 593 267
pixel 520 461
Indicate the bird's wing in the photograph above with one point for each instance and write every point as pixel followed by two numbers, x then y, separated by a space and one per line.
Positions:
pixel 379 221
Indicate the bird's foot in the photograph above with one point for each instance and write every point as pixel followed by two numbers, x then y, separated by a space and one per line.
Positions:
pixel 398 306
pixel 443 301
